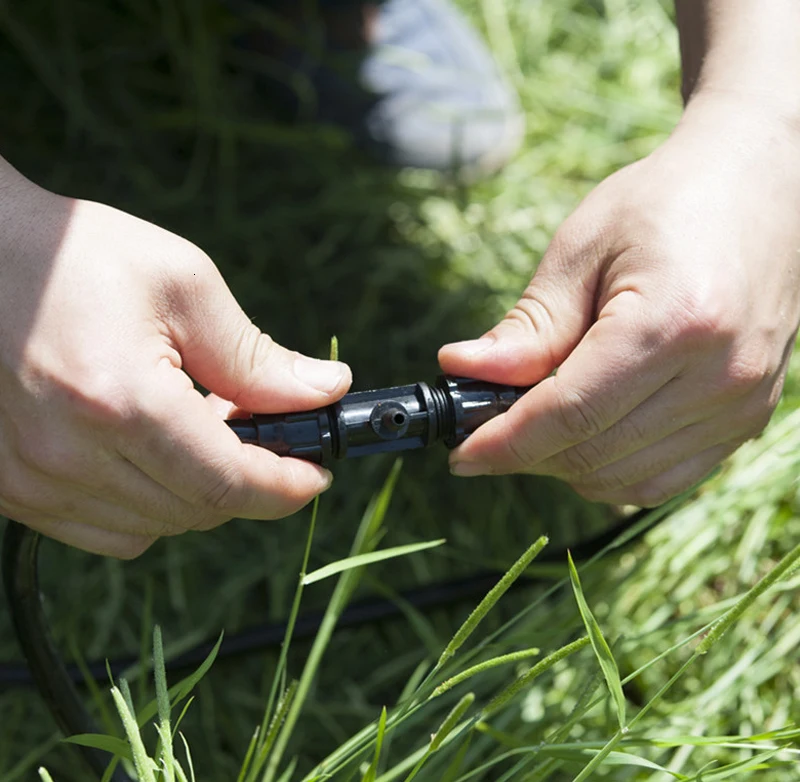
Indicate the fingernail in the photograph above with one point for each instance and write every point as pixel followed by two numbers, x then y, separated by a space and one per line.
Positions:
pixel 323 375
pixel 328 475
pixel 469 469
pixel 472 346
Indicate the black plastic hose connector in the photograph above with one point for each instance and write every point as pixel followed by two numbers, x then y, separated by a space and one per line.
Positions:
pixel 382 420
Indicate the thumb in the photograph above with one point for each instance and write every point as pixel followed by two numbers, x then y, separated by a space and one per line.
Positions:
pixel 225 352
pixel 544 326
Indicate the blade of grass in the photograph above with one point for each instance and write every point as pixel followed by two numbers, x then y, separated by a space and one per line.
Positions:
pixel 371 772
pixel 523 681
pixel 494 662
pixel 451 772
pixel 287 775
pixel 164 708
pixel 181 690
pixel 445 729
pixel 146 768
pixel 601 649
pixel 248 758
pixel 339 758
pixel 280 668
pixel 488 602
pixel 96 695
pixel 616 758
pixel 724 623
pixel 367 559
pixel 264 749
pixel 365 540
pixel 182 715
pixel 188 754
pixel 116 746
pixel 756 763
pixel 263 745
pixel 639 528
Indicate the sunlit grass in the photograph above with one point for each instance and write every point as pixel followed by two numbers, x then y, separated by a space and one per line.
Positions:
pixel 134 110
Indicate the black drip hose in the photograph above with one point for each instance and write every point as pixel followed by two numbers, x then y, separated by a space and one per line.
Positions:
pixel 56 681
pixel 21 580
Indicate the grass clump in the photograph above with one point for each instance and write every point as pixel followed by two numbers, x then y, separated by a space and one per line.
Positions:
pixel 292 217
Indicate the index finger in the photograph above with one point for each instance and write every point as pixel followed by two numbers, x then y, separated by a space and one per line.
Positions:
pixel 617 365
pixel 179 441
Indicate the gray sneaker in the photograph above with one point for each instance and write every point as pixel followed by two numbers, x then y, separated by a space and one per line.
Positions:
pixel 442 103
pixel 408 79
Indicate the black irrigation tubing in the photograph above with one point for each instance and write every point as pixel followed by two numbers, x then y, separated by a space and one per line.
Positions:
pixel 56 681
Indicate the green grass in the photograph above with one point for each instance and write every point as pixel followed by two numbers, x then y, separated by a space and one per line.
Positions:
pixel 134 104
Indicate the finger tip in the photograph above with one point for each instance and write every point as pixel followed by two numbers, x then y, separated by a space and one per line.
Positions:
pixel 313 478
pixel 469 469
pixel 345 381
pixel 323 378
pixel 327 478
pixel 466 349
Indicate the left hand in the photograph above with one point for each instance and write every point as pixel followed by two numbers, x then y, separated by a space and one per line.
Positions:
pixel 668 304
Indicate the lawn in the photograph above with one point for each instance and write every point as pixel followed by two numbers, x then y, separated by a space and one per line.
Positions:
pixel 141 106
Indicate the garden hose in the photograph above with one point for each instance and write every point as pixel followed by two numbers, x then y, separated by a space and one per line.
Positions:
pixel 360 423
pixel 56 681
pixel 21 581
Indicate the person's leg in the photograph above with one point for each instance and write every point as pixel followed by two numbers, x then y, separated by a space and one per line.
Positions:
pixel 409 79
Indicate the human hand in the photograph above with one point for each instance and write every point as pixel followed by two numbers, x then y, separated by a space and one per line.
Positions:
pixel 668 302
pixel 104 442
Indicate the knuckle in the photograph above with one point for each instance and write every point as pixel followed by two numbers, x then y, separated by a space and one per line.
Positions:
pixel 84 384
pixel 201 520
pixel 261 349
pixel 14 495
pixel 99 397
pixel 610 481
pixel 617 489
pixel 578 240
pixel 577 461
pixel 695 320
pixel 743 375
pixel 189 279
pixel 161 528
pixel 531 313
pixel 650 494
pixel 186 258
pixel 758 423
pixel 20 490
pixel 519 449
pixel 753 419
pixel 579 419
pixel 223 497
pixel 132 546
pixel 46 457
pixel 174 516
pixel 253 351
pixel 590 492
pixel 290 492
pixel 599 486
pixel 752 388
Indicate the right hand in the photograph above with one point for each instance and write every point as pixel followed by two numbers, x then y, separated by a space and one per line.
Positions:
pixel 104 442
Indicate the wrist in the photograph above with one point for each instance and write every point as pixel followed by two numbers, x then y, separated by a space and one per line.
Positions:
pixel 743 48
pixel 758 118
pixel 742 104
pixel 32 220
pixel 12 188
